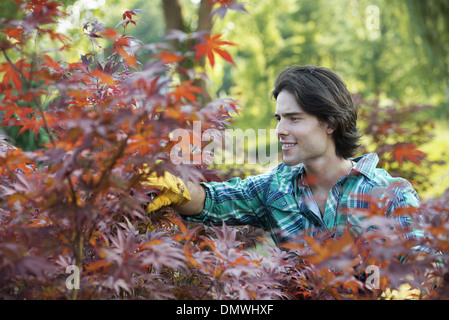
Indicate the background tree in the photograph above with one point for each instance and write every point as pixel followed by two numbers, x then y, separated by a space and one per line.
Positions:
pixel 430 27
pixel 79 200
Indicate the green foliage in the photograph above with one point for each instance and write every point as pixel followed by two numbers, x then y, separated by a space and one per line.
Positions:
pixel 429 24
pixel 335 34
pixel 107 117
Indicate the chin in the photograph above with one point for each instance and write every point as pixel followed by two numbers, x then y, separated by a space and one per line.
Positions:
pixel 291 162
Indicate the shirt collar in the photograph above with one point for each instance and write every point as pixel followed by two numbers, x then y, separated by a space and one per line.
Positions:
pixel 365 164
pixel 297 171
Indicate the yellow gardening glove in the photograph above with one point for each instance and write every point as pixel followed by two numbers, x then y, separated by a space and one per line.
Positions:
pixel 173 191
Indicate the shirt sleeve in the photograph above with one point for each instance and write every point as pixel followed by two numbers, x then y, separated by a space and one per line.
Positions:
pixel 235 202
pixel 405 197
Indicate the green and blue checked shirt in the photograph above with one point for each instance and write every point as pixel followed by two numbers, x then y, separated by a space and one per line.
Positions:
pixel 281 203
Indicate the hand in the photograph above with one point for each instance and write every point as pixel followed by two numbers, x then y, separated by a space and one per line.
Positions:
pixel 173 191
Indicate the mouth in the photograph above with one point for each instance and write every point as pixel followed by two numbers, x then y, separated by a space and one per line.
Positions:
pixel 287 146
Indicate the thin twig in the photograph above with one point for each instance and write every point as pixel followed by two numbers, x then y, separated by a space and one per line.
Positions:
pixel 113 162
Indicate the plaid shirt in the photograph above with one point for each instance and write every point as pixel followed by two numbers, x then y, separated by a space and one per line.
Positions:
pixel 281 203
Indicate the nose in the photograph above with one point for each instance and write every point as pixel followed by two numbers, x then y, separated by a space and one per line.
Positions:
pixel 281 129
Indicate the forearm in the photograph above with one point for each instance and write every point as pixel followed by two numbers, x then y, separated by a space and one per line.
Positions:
pixel 196 204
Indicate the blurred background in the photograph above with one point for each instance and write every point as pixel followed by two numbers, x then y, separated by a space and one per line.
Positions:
pixel 393 55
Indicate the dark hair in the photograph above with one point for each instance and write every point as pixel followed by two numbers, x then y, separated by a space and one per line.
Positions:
pixel 321 92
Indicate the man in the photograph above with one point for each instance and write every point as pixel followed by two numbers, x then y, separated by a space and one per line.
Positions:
pixel 318 187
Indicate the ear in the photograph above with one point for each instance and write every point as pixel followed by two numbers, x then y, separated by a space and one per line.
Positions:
pixel 331 125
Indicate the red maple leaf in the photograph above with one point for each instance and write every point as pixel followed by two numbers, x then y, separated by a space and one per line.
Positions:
pixel 169 58
pixel 185 90
pixel 407 151
pixel 15 33
pixel 213 44
pixel 34 124
pixel 14 72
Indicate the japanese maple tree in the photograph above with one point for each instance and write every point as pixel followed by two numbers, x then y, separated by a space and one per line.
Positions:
pixel 78 202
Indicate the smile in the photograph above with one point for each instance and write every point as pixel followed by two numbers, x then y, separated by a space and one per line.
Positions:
pixel 287 146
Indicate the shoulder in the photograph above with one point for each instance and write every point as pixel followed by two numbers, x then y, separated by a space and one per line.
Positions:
pixel 381 183
pixel 398 191
pixel 381 177
pixel 366 165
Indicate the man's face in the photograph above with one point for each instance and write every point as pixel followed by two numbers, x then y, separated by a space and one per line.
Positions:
pixel 302 136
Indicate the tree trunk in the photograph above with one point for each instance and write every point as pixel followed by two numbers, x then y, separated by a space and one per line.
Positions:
pixel 204 16
pixel 174 20
pixel 204 24
pixel 173 15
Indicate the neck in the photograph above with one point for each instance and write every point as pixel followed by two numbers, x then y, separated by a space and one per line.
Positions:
pixel 325 173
